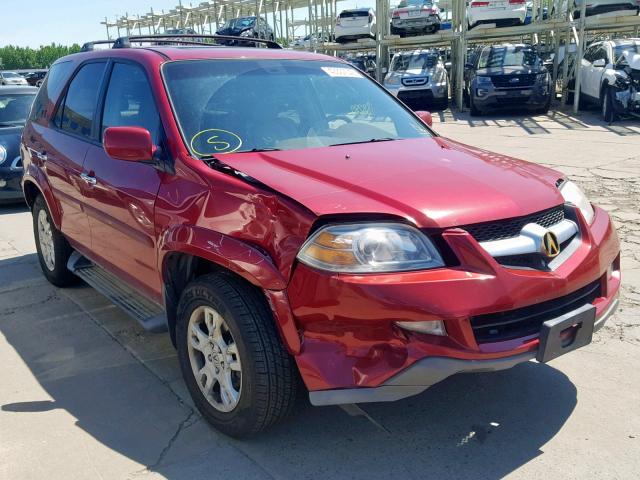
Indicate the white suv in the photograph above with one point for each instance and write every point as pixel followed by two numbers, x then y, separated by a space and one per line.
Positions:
pixel 604 74
pixel 354 24
pixel 504 13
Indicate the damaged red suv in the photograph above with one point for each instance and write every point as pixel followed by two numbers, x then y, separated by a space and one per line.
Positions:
pixel 292 225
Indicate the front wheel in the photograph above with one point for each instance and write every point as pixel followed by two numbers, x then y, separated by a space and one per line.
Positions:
pixel 52 248
pixel 608 113
pixel 233 362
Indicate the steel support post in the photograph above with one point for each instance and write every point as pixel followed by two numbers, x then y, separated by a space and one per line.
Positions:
pixel 382 51
pixel 579 54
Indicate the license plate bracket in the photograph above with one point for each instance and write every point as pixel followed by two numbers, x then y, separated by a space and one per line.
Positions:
pixel 566 333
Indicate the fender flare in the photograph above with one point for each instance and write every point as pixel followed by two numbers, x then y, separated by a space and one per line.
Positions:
pixel 238 257
pixel 228 252
pixel 33 178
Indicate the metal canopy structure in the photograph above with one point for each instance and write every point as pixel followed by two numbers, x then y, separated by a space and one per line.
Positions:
pixel 558 33
pixel 206 17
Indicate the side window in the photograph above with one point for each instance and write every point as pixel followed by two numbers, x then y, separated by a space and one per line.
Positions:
pixel 50 89
pixel 129 102
pixel 80 103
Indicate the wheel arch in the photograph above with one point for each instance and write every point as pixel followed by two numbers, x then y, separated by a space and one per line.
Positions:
pixel 32 189
pixel 211 252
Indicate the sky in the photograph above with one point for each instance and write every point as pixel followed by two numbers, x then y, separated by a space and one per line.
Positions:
pixel 39 22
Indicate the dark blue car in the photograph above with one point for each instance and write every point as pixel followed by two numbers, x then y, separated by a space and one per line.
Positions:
pixel 15 104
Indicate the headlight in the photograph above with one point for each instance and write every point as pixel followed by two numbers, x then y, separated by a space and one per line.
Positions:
pixel 3 154
pixel 246 33
pixel 392 80
pixel 369 248
pixel 483 81
pixel 572 194
pixel 542 77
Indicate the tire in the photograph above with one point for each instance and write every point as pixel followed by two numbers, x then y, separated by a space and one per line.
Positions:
pixel 473 110
pixel 52 248
pixel 255 371
pixel 608 112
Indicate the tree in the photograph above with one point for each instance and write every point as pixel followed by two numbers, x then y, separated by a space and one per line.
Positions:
pixel 13 58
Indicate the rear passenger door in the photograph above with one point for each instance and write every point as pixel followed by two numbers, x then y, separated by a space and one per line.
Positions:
pixel 121 202
pixel 62 147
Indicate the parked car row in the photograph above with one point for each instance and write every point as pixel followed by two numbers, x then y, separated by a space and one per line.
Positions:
pixel 33 78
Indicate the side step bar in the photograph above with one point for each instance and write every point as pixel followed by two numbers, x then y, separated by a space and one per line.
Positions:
pixel 148 313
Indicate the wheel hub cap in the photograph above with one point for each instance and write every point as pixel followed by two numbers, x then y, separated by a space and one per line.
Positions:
pixel 45 240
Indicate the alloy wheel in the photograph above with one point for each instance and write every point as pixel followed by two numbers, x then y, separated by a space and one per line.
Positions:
pixel 214 358
pixel 45 239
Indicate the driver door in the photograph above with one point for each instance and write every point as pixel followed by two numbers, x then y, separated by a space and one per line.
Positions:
pixel 121 200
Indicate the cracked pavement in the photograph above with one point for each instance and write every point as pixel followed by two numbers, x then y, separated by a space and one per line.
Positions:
pixel 86 393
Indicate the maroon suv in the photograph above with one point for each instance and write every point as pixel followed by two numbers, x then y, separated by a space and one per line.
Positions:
pixel 284 217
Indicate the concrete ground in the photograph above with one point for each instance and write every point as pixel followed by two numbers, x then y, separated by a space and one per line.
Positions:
pixel 85 393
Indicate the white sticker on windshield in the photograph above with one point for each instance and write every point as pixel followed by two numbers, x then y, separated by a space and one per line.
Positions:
pixel 342 72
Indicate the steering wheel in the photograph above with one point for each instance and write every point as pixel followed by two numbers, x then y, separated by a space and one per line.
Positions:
pixel 344 118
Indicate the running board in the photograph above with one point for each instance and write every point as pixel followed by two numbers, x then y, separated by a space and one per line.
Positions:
pixel 149 314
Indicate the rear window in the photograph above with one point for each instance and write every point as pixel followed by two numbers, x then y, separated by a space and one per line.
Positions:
pixel 508 56
pixel 354 13
pixel 51 89
pixel 414 3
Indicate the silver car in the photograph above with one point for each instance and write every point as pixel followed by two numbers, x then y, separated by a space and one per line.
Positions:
pixel 12 78
pixel 419 79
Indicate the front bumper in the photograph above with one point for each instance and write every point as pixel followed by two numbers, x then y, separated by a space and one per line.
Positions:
pixel 10 187
pixel 351 345
pixel 423 93
pixel 531 97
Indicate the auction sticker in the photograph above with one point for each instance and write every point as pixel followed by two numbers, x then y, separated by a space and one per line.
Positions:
pixel 341 72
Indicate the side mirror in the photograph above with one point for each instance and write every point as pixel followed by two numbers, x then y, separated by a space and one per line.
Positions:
pixel 425 117
pixel 129 143
pixel 599 63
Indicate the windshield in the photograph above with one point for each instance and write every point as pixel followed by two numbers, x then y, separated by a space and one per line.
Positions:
pixel 416 61
pixel 14 108
pixel 496 57
pixel 225 106
pixel 618 50
pixel 242 22
pixel 10 75
pixel 413 3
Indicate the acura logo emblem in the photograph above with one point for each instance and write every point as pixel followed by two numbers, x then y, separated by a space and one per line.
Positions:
pixel 550 245
pixel 514 80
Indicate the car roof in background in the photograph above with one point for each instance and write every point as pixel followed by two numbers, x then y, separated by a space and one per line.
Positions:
pixel 5 89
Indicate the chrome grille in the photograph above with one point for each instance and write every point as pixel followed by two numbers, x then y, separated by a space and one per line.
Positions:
pixel 410 82
pixel 509 228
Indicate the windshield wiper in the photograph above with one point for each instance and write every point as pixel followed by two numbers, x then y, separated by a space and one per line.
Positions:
pixel 371 140
pixel 265 149
pixel 10 124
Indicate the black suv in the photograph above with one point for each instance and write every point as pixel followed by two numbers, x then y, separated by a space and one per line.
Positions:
pixel 507 76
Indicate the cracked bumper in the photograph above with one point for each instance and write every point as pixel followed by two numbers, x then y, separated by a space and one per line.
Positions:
pixel 350 341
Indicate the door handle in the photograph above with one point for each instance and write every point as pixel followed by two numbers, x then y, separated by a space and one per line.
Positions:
pixel 88 179
pixel 42 156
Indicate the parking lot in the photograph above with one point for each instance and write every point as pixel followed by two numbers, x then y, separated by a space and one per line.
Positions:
pixel 88 394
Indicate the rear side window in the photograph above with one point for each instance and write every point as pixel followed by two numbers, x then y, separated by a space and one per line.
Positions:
pixel 129 101
pixel 50 89
pixel 82 97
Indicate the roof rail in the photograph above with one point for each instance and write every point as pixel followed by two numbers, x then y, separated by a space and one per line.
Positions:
pixel 181 39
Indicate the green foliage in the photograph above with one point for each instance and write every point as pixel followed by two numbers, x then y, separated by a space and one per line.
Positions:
pixel 25 57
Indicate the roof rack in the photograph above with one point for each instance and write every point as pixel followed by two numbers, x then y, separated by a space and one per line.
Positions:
pixel 180 39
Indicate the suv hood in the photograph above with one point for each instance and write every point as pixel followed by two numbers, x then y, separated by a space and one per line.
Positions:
pixel 10 140
pixel 432 182
pixel 511 70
